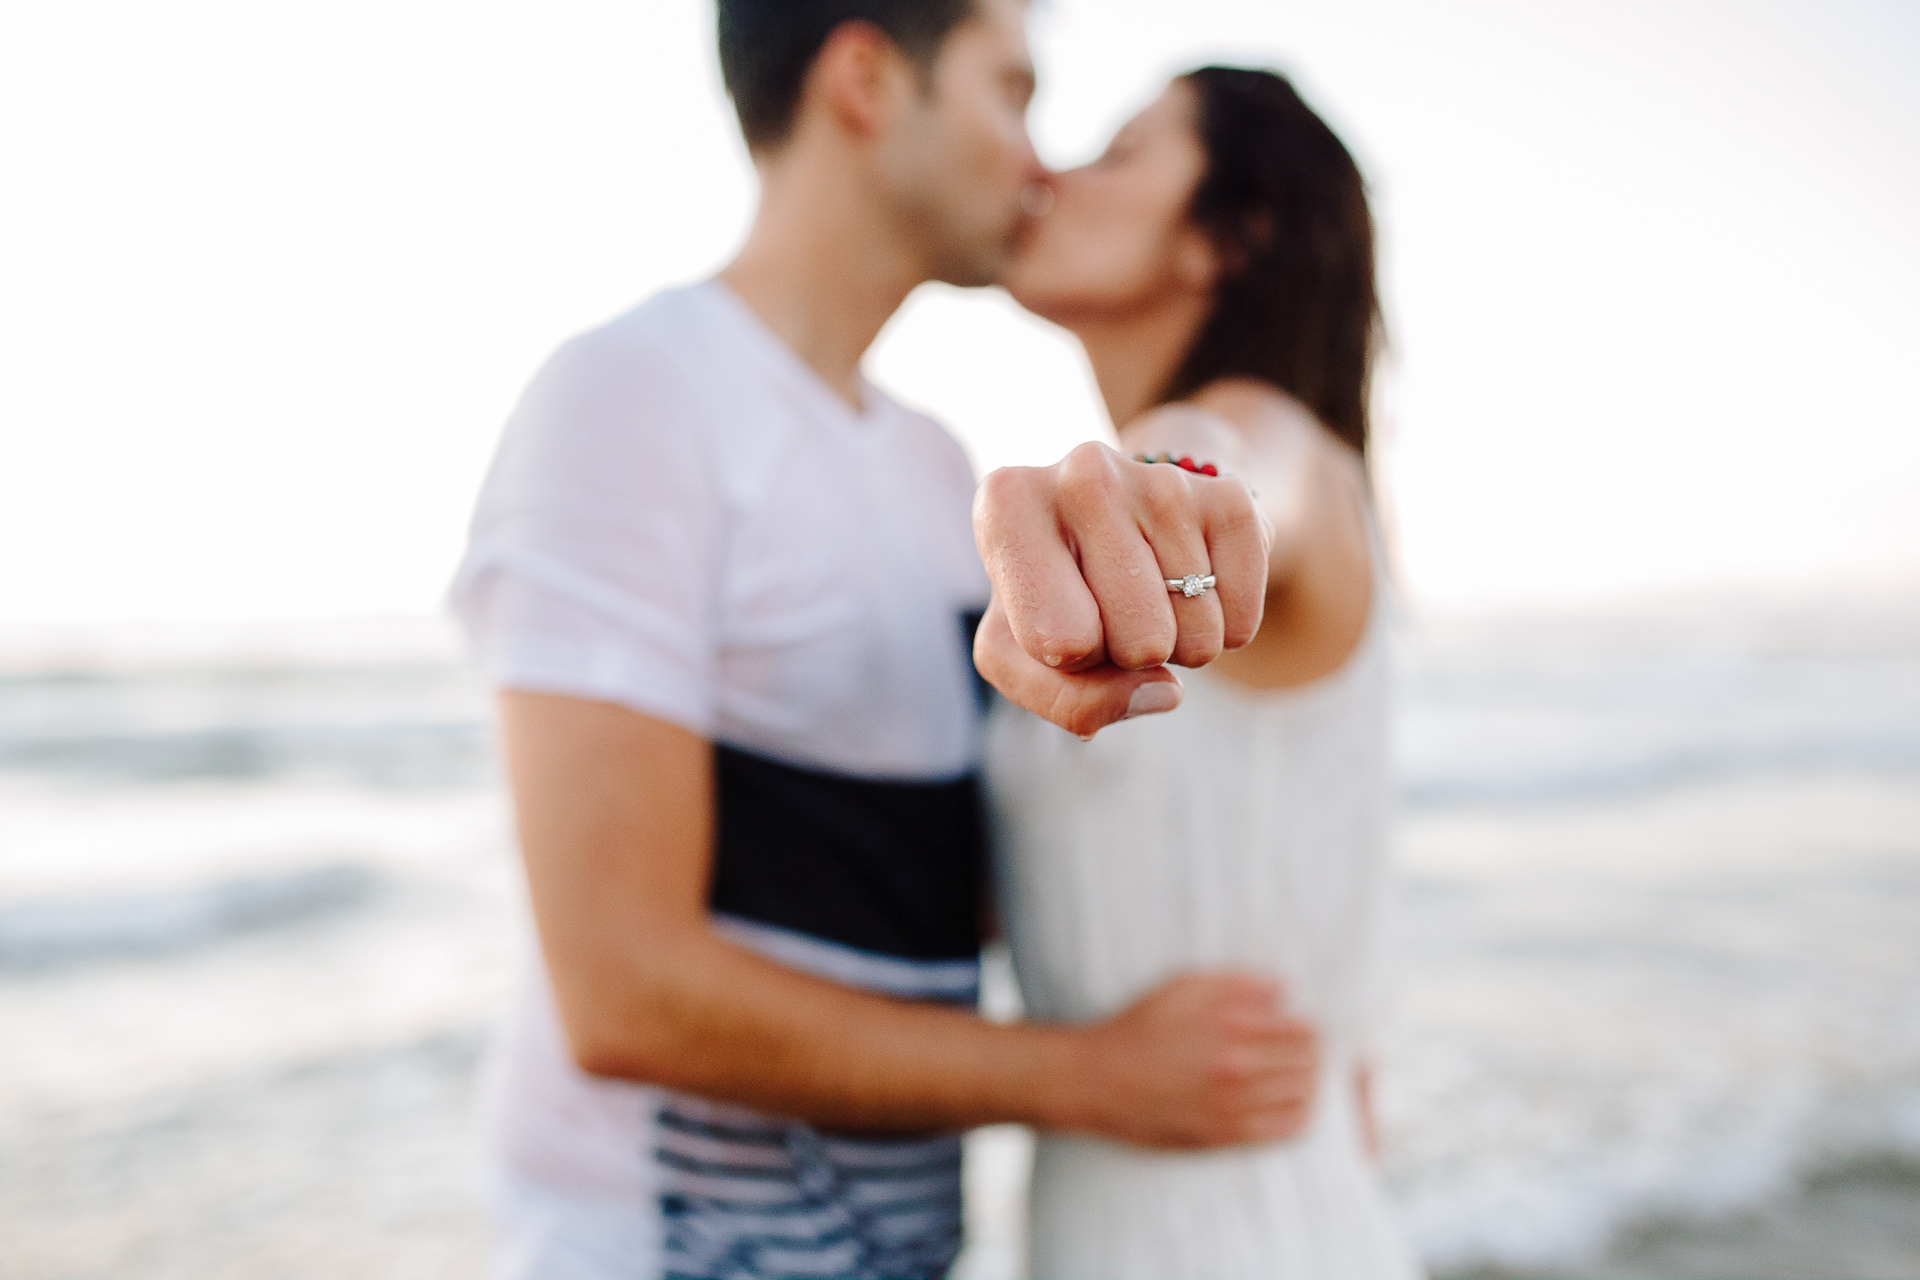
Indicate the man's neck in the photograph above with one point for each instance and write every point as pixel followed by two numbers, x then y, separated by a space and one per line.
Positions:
pixel 824 269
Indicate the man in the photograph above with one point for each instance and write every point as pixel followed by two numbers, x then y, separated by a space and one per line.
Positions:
pixel 723 584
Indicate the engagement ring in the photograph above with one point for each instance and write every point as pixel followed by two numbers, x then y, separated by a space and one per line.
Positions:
pixel 1192 585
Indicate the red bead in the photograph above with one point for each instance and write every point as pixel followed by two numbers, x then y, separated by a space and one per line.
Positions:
pixel 1208 469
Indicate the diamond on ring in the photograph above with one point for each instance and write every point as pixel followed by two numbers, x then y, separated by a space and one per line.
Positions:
pixel 1194 584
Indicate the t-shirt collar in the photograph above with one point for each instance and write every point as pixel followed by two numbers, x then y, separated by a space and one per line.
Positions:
pixel 785 363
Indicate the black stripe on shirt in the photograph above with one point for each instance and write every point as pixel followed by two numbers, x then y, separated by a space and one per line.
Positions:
pixel 895 868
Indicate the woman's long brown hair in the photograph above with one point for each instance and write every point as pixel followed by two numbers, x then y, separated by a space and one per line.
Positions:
pixel 1286 208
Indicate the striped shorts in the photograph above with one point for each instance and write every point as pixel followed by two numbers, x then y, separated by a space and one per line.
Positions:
pixel 743 1194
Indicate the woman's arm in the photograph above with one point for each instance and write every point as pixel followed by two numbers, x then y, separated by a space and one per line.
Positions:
pixel 1312 489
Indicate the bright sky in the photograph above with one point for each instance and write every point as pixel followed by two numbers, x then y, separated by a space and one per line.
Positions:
pixel 271 277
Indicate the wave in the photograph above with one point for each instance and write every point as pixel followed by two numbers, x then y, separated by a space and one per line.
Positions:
pixel 56 932
pixel 418 726
pixel 1503 712
pixel 461 754
pixel 1518 1216
pixel 377 755
pixel 1554 782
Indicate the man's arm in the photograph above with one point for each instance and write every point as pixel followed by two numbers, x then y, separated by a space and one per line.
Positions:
pixel 616 821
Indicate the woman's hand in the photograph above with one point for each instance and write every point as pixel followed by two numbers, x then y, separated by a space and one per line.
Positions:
pixel 1264 437
pixel 1079 553
pixel 1312 490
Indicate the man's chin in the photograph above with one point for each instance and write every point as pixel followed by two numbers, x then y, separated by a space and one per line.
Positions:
pixel 1016 277
pixel 988 265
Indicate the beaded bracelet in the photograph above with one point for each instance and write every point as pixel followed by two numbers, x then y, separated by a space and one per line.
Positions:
pixel 1185 464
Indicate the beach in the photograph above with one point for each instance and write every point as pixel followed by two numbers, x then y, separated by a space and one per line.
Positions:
pixel 1659 873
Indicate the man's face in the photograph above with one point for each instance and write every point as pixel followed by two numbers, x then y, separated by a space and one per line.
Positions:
pixel 959 158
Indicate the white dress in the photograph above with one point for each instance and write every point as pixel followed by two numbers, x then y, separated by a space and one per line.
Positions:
pixel 1245 830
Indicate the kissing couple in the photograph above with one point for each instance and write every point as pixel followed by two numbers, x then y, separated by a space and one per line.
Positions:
pixel 734 600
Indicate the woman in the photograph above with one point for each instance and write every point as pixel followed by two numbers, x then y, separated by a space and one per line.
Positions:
pixel 1217 264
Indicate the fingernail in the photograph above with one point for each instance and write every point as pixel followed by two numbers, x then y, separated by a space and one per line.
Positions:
pixel 1150 699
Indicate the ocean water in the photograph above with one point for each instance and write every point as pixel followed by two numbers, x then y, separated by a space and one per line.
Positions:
pixel 1661 913
pixel 1660 917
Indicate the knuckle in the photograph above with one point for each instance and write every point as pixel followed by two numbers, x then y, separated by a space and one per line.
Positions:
pixel 1001 492
pixel 1230 506
pixel 1239 521
pixel 1087 481
pixel 1087 459
pixel 1001 485
pixel 1197 650
pixel 1093 454
pixel 1166 498
pixel 1141 653
pixel 1069 643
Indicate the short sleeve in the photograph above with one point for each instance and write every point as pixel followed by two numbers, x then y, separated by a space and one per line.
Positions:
pixel 591 555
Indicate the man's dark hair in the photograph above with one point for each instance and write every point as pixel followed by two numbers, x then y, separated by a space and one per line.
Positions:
pixel 768 46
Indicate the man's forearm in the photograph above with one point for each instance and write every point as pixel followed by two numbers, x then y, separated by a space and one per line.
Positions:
pixel 616 821
pixel 694 1012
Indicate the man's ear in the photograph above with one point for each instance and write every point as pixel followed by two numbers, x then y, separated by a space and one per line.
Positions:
pixel 857 78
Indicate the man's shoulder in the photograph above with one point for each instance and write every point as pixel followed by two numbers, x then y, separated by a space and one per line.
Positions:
pixel 928 437
pixel 648 375
pixel 661 336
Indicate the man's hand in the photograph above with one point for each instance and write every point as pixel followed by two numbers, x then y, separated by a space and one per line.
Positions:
pixel 1205 1060
pixel 1079 553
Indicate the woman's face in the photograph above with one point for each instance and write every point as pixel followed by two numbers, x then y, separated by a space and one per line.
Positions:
pixel 1117 238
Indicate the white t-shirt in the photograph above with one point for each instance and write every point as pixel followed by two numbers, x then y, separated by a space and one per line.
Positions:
pixel 683 520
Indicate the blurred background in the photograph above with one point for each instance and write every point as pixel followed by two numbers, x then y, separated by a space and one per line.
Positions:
pixel 272 276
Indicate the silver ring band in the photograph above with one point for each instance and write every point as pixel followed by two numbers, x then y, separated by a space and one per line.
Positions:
pixel 1194 584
